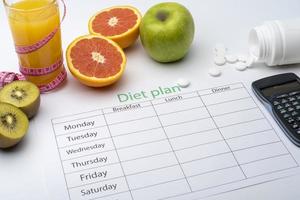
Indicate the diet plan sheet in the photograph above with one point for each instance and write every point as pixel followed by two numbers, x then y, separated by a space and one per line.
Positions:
pixel 184 146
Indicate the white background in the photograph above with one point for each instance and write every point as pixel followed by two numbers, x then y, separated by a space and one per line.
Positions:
pixel 32 170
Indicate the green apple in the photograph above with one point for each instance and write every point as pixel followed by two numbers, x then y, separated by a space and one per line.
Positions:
pixel 167 31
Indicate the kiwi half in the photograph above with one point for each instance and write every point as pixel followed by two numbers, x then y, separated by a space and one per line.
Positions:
pixel 13 125
pixel 22 94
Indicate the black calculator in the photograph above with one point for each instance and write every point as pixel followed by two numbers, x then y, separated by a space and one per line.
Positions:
pixel 281 95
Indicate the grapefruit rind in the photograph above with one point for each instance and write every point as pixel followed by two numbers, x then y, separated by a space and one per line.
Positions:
pixel 93 81
pixel 125 39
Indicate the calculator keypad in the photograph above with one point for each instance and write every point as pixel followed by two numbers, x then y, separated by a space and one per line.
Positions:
pixel 288 107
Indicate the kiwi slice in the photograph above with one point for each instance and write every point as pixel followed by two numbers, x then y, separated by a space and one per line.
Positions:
pixel 13 125
pixel 22 94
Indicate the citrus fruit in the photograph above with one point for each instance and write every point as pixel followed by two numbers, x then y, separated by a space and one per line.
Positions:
pixel 119 23
pixel 95 60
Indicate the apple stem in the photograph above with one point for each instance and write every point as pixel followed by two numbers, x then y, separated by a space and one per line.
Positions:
pixel 162 16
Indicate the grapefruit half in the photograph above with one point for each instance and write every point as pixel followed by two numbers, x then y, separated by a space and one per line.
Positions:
pixel 95 60
pixel 118 23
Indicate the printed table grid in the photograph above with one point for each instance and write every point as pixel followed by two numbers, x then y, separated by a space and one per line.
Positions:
pixel 192 150
pixel 225 140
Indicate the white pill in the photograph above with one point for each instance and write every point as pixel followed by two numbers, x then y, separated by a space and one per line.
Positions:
pixel 220 60
pixel 240 66
pixel 214 72
pixel 231 58
pixel 220 53
pixel 184 83
pixel 243 58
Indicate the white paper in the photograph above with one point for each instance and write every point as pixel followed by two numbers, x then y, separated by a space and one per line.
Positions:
pixel 181 146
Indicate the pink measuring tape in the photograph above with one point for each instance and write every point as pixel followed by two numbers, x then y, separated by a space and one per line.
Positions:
pixel 7 77
pixel 41 71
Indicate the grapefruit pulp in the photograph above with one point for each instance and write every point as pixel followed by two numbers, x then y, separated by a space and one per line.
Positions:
pixel 118 23
pixel 95 60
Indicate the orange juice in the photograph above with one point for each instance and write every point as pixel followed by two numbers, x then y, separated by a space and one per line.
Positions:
pixel 30 22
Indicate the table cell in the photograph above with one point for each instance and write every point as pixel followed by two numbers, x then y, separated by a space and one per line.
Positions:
pixel 180 105
pixel 216 178
pixel 260 152
pixel 238 117
pixel 270 165
pixel 232 106
pixel 135 114
pixel 154 177
pixel 252 140
pixel 202 151
pixel 94 175
pixel 195 139
pixel 246 128
pixel 225 96
pixel 149 163
pixel 63 119
pixel 139 138
pixel 91 161
pixel 86 149
pixel 134 126
pixel 75 125
pixel 120 196
pixel 174 98
pixel 98 190
pixel 127 107
pixel 220 89
pixel 144 150
pixel 162 191
pixel 210 164
pixel 184 116
pixel 82 136
pixel 189 127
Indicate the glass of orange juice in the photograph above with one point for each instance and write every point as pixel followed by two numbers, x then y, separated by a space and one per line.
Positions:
pixel 35 27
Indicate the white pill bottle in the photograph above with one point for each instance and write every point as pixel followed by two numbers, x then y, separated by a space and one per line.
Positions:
pixel 276 42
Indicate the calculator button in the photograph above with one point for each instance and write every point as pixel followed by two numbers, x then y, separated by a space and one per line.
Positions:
pixel 290 120
pixel 284 101
pixel 287 105
pixel 291 98
pixel 275 103
pixel 279 107
pixel 298 119
pixel 298 97
pixel 294 93
pixel 295 103
pixel 294 113
pixel 294 126
pixel 282 111
pixel 282 96
pixel 297 107
pixel 290 109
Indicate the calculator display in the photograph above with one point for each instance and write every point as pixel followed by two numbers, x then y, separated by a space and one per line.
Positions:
pixel 277 89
